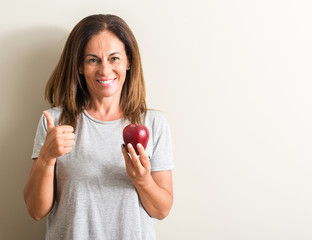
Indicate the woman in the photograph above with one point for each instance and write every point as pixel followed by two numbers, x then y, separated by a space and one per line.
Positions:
pixel 80 178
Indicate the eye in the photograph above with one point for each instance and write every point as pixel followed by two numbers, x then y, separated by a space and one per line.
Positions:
pixel 92 60
pixel 113 59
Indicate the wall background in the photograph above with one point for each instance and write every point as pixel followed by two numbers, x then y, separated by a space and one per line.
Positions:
pixel 234 78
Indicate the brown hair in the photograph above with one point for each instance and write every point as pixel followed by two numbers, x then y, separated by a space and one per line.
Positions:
pixel 67 88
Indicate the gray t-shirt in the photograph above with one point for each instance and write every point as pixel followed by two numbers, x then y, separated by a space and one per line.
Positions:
pixel 94 197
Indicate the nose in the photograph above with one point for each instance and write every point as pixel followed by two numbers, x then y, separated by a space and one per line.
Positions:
pixel 105 69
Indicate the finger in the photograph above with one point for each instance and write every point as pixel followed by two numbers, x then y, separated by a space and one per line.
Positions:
pixel 50 123
pixel 124 153
pixel 143 156
pixel 69 143
pixel 65 129
pixel 135 160
pixel 127 158
pixel 65 135
pixel 69 136
pixel 67 150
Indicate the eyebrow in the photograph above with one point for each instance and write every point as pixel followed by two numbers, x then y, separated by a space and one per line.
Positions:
pixel 93 55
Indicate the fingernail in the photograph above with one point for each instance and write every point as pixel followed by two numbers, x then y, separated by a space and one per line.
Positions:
pixel 139 145
pixel 129 145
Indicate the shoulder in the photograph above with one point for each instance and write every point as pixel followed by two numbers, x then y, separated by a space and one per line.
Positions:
pixel 155 117
pixel 156 121
pixel 55 112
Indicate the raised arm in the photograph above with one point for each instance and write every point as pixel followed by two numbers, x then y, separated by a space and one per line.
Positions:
pixel 39 189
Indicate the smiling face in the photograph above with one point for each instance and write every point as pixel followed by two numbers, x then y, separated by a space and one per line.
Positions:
pixel 104 66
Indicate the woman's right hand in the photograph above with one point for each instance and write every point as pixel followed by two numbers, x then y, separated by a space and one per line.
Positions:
pixel 59 141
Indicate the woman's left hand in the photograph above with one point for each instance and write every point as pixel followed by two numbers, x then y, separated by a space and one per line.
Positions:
pixel 154 188
pixel 138 167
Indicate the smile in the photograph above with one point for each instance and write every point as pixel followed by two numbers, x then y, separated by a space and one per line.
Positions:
pixel 106 82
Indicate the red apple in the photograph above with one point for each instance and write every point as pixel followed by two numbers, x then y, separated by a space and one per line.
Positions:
pixel 134 134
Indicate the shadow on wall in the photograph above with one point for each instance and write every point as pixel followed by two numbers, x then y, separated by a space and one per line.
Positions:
pixel 27 59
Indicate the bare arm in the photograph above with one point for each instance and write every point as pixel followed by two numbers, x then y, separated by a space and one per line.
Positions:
pixel 157 195
pixel 39 189
pixel 38 192
pixel 155 189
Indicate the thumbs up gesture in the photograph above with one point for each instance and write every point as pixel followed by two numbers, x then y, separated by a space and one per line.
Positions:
pixel 59 140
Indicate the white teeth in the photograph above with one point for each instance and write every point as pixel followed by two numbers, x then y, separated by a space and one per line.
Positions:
pixel 106 82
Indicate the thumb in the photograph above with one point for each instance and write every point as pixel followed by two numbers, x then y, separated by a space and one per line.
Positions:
pixel 50 123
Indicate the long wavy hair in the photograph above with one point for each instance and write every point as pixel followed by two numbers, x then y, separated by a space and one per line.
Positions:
pixel 67 88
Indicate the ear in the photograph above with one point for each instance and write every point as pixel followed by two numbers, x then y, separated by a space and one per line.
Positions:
pixel 128 64
pixel 80 70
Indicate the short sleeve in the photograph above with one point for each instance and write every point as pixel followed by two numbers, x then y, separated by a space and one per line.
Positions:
pixel 40 137
pixel 162 155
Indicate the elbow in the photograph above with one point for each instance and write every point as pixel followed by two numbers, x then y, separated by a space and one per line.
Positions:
pixel 36 218
pixel 35 214
pixel 161 215
pixel 31 211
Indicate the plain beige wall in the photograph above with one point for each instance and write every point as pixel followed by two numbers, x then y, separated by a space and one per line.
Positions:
pixel 234 78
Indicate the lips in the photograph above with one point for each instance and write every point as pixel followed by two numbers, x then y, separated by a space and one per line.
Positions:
pixel 106 82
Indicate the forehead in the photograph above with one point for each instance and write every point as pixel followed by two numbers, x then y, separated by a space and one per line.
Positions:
pixel 104 42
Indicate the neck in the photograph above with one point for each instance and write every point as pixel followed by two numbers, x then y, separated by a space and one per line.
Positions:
pixel 107 109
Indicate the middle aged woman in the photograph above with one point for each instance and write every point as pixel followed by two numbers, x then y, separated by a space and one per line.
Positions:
pixel 80 178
